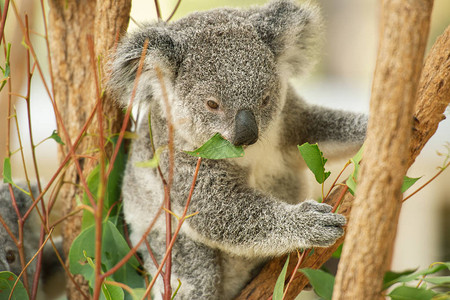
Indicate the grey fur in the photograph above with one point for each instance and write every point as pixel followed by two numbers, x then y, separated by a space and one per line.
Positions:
pixel 31 236
pixel 249 208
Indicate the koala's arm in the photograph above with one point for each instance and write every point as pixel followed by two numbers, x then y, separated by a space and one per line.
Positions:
pixel 340 130
pixel 238 219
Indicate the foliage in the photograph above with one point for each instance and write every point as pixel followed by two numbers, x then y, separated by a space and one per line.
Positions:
pixel 217 148
pixel 279 285
pixel 7 281
pixel 315 161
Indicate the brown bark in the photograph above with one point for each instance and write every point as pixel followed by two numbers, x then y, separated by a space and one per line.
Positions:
pixel 373 223
pixel 432 100
pixel 70 23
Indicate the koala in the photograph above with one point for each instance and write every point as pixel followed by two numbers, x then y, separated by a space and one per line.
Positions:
pixel 9 254
pixel 51 271
pixel 227 71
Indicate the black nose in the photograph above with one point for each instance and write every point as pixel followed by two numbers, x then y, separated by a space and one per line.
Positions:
pixel 245 128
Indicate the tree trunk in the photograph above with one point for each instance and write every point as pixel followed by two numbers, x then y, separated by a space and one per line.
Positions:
pixel 432 99
pixel 70 23
pixel 367 253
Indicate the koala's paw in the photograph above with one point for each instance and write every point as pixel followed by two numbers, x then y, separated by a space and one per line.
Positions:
pixel 322 228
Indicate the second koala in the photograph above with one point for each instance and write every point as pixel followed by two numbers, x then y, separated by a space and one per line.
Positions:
pixel 227 71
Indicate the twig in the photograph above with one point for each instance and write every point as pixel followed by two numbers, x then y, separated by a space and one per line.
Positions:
pixel 180 223
pixel 23 272
pixel 297 266
pixel 168 184
pixel 5 13
pixel 174 11
pixel 158 10
pixel 426 183
pixel 103 179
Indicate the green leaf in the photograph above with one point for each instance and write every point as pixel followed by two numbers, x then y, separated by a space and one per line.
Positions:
pixel 391 277
pixel 114 248
pixel 112 292
pixel 56 137
pixel 7 280
pixel 7 70
pixel 138 294
pixel 351 180
pixel 408 182
pixel 217 148
pixel 411 293
pixel 416 275
pixel 321 281
pixel 153 162
pixel 113 188
pixel 438 280
pixel 7 171
pixel 279 285
pixel 314 160
pixel 93 182
pixel 338 252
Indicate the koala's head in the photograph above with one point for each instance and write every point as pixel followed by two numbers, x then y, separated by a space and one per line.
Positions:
pixel 9 254
pixel 224 70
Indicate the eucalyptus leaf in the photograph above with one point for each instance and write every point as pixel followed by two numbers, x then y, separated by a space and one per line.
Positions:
pixel 153 162
pixel 114 248
pixel 7 280
pixel 391 277
pixel 217 148
pixel 408 182
pixel 321 281
pixel 411 293
pixel 439 280
pixel 352 179
pixel 56 137
pixel 7 171
pixel 315 161
pixel 279 285
pixel 415 276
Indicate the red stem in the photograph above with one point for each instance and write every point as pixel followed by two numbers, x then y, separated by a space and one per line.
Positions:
pixel 180 223
pixel 5 13
pixel 294 272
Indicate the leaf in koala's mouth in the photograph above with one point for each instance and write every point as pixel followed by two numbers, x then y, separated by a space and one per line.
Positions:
pixel 217 148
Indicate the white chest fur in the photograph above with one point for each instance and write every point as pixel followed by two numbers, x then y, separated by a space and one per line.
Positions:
pixel 264 159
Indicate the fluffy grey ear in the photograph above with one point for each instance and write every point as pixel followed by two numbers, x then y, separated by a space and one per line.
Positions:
pixel 162 52
pixel 293 33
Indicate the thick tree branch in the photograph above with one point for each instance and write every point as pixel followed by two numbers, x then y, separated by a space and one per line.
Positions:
pixel 433 98
pixel 374 218
pixel 70 23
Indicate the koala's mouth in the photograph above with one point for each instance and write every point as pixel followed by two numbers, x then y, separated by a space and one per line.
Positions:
pixel 245 129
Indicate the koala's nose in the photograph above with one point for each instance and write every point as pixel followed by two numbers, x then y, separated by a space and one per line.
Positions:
pixel 245 128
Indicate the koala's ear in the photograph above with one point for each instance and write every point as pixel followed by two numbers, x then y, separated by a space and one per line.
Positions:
pixel 292 32
pixel 162 51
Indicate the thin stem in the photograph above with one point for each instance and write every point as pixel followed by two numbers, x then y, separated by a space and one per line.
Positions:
pixel 341 196
pixel 428 182
pixel 130 105
pixel 5 13
pixel 297 266
pixel 337 178
pixel 168 184
pixel 180 223
pixel 55 109
pixel 99 208
pixel 23 272
pixel 174 11
pixel 158 10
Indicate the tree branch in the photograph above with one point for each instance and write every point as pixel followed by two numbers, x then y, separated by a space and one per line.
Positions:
pixel 433 98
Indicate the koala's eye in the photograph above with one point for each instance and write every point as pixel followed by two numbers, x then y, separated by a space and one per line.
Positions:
pixel 212 104
pixel 10 256
pixel 265 100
